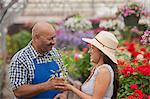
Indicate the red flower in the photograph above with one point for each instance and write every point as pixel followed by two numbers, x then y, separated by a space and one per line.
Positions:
pixel 135 53
pixel 138 93
pixel 134 86
pixel 135 76
pixel 145 61
pixel 84 50
pixel 145 70
pixel 127 71
pixel 147 55
pixel 142 86
pixel 131 97
pixel 126 43
pixel 149 97
pixel 121 62
pixel 134 60
pixel 131 47
pixel 143 49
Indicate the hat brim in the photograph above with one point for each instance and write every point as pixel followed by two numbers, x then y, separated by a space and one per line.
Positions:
pixel 107 51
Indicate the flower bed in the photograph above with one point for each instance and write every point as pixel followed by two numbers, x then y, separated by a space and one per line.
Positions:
pixel 134 72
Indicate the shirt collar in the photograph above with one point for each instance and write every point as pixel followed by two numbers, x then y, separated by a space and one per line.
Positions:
pixel 36 54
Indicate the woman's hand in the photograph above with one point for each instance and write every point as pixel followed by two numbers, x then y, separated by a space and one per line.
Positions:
pixel 68 86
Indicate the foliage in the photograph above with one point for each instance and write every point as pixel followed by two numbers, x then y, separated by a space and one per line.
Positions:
pixel 134 73
pixel 17 41
pixel 77 63
pixel 1 61
pixel 130 33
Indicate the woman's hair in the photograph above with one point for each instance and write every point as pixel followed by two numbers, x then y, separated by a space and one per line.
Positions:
pixel 108 61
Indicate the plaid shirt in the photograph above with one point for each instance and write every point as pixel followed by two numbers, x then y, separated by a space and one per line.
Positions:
pixel 21 69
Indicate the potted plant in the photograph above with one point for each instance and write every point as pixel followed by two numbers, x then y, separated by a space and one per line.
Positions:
pixel 131 13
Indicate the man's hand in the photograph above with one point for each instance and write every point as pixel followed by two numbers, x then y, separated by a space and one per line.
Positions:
pixel 30 90
pixel 56 83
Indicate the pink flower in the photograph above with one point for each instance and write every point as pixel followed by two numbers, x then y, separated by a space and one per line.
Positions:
pixel 77 56
pixel 135 30
pixel 134 86
pixel 145 38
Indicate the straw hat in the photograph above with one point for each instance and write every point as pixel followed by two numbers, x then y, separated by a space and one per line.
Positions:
pixel 106 42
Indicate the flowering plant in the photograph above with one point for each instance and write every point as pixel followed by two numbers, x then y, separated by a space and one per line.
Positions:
pixel 111 24
pixel 135 73
pixel 145 38
pixel 77 23
pixel 132 8
pixel 71 40
pixel 78 63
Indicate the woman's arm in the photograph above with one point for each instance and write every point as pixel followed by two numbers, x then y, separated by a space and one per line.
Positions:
pixel 100 86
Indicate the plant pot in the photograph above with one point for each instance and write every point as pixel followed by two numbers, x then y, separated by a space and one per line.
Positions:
pixel 131 20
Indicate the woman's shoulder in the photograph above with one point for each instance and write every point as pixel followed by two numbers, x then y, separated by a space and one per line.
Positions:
pixel 104 68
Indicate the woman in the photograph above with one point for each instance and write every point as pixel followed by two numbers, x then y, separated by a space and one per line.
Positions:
pixel 103 80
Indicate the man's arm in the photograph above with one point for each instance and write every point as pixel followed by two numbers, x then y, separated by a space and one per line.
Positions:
pixel 28 90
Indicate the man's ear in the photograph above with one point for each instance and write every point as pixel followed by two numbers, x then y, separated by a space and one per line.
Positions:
pixel 37 36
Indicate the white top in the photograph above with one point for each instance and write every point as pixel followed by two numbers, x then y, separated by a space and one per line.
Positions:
pixel 88 87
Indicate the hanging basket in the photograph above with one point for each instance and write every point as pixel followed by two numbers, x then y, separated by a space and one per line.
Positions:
pixel 131 20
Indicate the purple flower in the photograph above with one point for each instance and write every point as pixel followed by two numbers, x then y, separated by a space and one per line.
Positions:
pixel 70 39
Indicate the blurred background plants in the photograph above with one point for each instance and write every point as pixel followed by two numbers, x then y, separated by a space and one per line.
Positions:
pixel 77 63
pixel 17 41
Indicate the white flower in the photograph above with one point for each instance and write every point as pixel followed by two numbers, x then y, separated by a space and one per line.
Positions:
pixel 77 24
pixel 140 57
pixel 111 24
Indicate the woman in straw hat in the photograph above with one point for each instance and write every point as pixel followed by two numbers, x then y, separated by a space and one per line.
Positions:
pixel 103 80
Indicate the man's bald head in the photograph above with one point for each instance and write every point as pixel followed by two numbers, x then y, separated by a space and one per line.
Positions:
pixel 41 28
pixel 43 37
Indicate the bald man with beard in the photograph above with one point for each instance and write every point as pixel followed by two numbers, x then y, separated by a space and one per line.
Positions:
pixel 33 69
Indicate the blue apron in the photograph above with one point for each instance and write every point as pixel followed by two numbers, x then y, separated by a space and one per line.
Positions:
pixel 42 73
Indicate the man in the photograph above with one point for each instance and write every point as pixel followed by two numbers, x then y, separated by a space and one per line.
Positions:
pixel 35 70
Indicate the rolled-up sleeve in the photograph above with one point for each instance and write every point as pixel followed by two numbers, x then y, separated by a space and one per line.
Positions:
pixel 17 74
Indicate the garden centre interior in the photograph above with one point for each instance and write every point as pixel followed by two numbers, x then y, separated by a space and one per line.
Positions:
pixel 128 20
